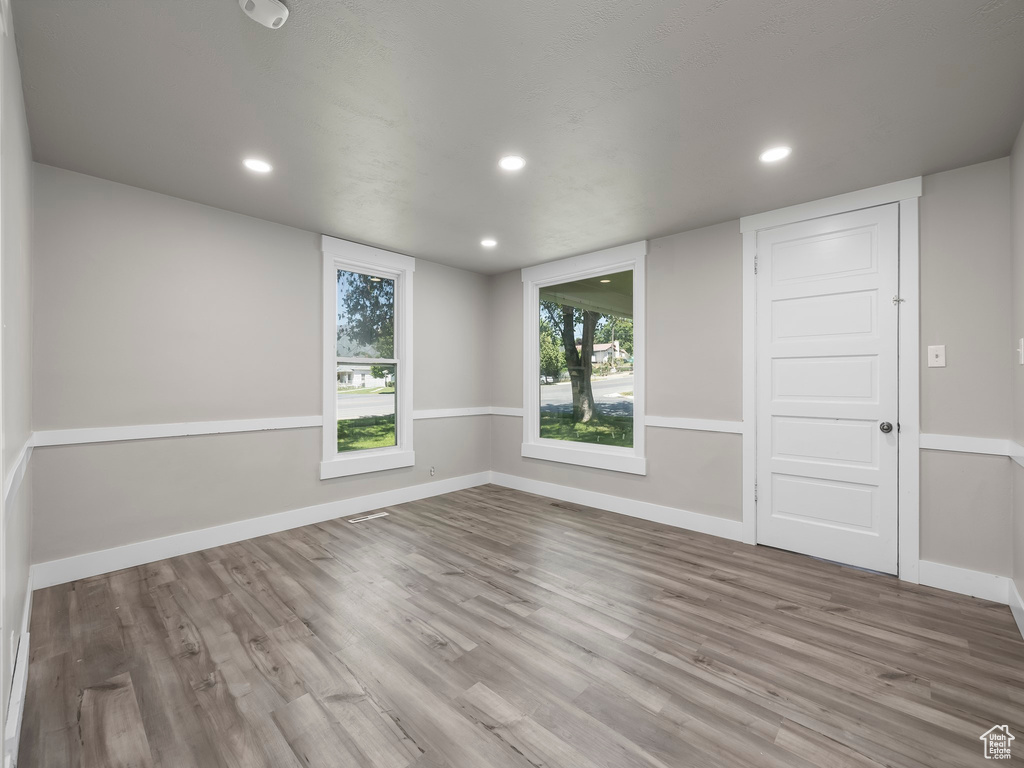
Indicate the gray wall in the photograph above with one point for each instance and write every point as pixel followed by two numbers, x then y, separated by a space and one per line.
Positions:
pixel 1017 199
pixel 966 304
pixel 150 309
pixel 91 497
pixel 966 269
pixel 1017 331
pixel 966 512
pixel 15 196
pixel 695 360
pixel 694 285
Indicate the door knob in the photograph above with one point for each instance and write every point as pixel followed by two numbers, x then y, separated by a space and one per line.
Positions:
pixel 886 427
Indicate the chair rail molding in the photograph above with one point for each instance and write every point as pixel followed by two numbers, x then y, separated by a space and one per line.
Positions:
pixel 699 425
pixel 992 446
pixel 51 437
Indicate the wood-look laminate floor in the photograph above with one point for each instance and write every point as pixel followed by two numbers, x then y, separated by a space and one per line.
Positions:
pixel 491 628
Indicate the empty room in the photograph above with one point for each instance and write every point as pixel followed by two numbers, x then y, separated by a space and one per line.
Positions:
pixel 579 384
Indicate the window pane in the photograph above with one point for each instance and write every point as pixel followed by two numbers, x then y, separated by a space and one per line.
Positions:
pixel 366 315
pixel 586 360
pixel 367 398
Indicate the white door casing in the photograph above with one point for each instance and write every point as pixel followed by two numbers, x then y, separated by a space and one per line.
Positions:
pixel 827 378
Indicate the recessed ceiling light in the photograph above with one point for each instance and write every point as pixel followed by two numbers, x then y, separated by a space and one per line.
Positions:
pixel 488 242
pixel 258 166
pixel 775 154
pixel 606 280
pixel 512 163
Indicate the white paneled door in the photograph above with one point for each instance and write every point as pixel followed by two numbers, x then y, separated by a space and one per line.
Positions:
pixel 827 387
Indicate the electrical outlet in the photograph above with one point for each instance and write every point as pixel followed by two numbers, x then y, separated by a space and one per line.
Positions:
pixel 433 471
pixel 937 356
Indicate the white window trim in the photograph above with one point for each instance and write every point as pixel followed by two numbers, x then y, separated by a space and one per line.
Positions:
pixel 341 254
pixel 632 460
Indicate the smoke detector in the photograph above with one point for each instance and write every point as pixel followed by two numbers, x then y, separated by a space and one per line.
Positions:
pixel 272 14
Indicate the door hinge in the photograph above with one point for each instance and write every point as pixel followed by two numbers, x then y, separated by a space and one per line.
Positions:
pixel 896 300
pixel 755 265
pixel 755 493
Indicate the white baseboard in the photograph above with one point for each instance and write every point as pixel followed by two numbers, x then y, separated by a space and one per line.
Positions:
pixel 19 684
pixel 999 589
pixel 678 518
pixel 129 555
pixel 1016 606
pixel 94 563
pixel 966 582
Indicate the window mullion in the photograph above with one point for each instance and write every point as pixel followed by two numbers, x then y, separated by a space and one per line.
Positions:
pixel 368 360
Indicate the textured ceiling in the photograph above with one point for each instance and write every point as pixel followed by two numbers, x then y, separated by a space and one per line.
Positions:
pixel 384 119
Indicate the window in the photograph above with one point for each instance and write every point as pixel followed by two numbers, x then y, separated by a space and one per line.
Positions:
pixel 583 386
pixel 367 359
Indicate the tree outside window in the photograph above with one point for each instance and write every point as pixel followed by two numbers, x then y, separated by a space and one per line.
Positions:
pixel 586 333
pixel 367 385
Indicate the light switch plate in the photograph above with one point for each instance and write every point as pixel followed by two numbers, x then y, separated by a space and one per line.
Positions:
pixel 937 356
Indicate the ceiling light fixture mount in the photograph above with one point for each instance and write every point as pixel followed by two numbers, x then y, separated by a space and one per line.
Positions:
pixel 272 14
pixel 256 165
pixel 775 154
pixel 512 163
pixel 488 242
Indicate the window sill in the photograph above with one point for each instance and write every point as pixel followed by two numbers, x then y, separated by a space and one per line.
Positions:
pixel 358 464
pixel 587 457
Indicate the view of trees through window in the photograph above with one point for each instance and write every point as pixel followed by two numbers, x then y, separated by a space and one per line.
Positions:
pixel 367 371
pixel 586 360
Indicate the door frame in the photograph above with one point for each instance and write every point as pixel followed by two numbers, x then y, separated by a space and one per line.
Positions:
pixel 906 194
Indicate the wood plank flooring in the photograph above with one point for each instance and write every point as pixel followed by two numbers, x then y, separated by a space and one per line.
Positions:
pixel 492 628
